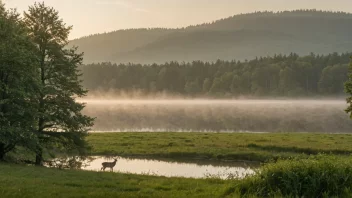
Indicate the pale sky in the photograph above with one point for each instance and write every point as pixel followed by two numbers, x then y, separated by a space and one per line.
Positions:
pixel 98 16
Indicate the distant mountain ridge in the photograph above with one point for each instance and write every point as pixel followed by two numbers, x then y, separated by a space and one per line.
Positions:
pixel 239 37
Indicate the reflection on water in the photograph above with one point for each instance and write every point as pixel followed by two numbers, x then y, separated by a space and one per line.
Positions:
pixel 174 169
pixel 219 115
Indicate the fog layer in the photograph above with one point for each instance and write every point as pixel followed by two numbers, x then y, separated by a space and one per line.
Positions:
pixel 220 115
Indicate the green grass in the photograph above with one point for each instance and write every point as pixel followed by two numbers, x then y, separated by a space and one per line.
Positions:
pixel 317 176
pixel 219 146
pixel 28 181
pixel 309 174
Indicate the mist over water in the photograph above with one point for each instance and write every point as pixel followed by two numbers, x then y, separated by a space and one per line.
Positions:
pixel 198 115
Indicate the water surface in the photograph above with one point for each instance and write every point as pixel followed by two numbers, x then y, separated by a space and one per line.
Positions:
pixel 195 169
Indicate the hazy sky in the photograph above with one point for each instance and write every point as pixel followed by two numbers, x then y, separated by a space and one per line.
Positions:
pixel 96 16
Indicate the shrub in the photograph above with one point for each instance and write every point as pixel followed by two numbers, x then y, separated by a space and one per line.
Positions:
pixel 318 176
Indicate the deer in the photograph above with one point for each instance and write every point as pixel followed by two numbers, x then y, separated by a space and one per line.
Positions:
pixel 110 165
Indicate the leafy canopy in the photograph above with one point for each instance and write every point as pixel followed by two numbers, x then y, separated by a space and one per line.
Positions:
pixel 17 83
pixel 60 124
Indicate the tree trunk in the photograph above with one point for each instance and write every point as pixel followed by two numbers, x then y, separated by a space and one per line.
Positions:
pixel 39 157
pixel 5 149
pixel 2 151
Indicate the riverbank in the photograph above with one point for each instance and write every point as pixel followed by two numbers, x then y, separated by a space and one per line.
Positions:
pixel 309 174
pixel 317 176
pixel 28 181
pixel 219 146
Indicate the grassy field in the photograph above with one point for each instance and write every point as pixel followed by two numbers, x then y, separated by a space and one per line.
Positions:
pixel 219 146
pixel 317 176
pixel 25 181
pixel 306 176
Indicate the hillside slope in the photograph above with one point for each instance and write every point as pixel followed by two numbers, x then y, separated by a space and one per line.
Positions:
pixel 239 37
pixel 100 47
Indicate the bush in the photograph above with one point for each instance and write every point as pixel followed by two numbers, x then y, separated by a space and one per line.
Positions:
pixel 319 176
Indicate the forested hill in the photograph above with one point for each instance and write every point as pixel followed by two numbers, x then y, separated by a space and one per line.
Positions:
pixel 280 75
pixel 239 37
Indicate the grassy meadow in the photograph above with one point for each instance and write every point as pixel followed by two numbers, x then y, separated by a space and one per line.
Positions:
pixel 317 176
pixel 29 181
pixel 308 174
pixel 260 147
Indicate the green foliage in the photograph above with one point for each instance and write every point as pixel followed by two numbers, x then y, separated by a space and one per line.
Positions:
pixel 219 146
pixel 279 75
pixel 61 125
pixel 17 84
pixel 244 36
pixel 319 176
pixel 39 81
pixel 332 79
pixel 206 85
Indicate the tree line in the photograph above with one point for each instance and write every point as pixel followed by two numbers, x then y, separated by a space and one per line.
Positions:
pixel 39 80
pixel 280 75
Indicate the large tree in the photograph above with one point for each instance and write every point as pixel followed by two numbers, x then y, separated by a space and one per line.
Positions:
pixel 17 84
pixel 61 124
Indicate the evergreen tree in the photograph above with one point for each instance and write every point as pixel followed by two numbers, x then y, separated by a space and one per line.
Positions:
pixel 61 125
pixel 265 76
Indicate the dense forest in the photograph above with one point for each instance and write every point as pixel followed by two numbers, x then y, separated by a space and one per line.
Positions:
pixel 279 75
pixel 244 36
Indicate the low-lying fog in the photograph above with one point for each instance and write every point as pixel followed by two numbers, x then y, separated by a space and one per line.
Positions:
pixel 219 115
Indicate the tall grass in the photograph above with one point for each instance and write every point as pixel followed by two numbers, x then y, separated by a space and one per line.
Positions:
pixel 317 176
